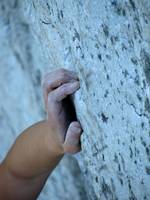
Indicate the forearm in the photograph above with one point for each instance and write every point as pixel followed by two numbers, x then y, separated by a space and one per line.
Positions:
pixel 16 188
pixel 29 163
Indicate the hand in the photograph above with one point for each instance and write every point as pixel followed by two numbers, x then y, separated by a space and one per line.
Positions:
pixel 40 147
pixel 57 85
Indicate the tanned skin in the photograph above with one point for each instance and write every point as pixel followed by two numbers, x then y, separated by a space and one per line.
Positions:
pixel 39 148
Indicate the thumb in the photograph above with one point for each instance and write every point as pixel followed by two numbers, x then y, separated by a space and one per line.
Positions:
pixel 72 139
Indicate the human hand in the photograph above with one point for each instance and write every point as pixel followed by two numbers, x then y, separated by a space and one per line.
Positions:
pixel 57 87
pixel 40 147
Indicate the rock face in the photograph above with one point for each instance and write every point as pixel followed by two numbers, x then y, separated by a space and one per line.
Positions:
pixel 108 44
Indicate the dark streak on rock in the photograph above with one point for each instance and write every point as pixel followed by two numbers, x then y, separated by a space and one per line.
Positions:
pixel 114 3
pixel 116 158
pixel 124 47
pixel 144 84
pixel 148 151
pixel 117 53
pixel 103 148
pixel 3 7
pixel 103 157
pixel 122 160
pixel 119 167
pixel 139 97
pixel 108 57
pixel 118 8
pixel 147 105
pixel 76 35
pixel 132 4
pixel 103 167
pixel 145 58
pixel 38 78
pixel 121 82
pixel 114 39
pixel 46 23
pixel 92 56
pixel 121 181
pixel 105 46
pixel 142 124
pixel 106 190
pixel 113 185
pixel 104 118
pixel 106 93
pixel 99 57
pixel 18 57
pixel 125 73
pixel 137 80
pixel 96 179
pixel 131 194
pixel 107 76
pixel 48 6
pixel 134 61
pixel 143 142
pixel 61 13
pixel 33 5
pixel 15 4
pixel 147 169
pixel 106 30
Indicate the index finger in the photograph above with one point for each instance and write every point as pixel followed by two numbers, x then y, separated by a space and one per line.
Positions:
pixel 56 78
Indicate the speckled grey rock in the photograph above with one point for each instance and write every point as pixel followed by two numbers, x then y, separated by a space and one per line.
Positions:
pixel 107 43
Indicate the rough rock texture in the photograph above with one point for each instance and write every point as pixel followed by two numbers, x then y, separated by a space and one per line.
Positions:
pixel 107 43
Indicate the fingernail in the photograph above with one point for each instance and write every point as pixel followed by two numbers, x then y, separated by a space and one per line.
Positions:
pixel 78 130
pixel 76 84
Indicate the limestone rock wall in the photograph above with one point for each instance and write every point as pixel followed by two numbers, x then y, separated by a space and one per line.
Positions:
pixel 107 43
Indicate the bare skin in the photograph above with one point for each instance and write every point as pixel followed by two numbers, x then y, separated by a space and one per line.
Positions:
pixel 39 148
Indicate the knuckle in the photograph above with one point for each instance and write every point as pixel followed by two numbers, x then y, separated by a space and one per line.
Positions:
pixel 76 124
pixel 72 127
pixel 64 89
pixel 51 98
pixel 62 73
pixel 45 85
pixel 46 75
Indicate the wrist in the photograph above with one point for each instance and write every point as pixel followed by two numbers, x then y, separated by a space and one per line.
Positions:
pixel 34 152
pixel 53 142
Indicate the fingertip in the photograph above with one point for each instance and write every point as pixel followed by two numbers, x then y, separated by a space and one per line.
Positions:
pixel 72 141
pixel 72 150
pixel 76 84
pixel 74 75
pixel 75 123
